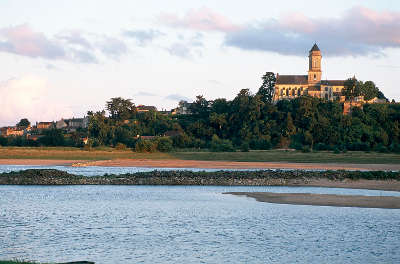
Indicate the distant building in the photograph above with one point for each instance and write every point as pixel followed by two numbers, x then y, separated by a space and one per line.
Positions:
pixel 183 108
pixel 358 102
pixel 45 125
pixel 13 131
pixel 72 124
pixel 166 112
pixel 292 86
pixel 172 133
pixel 61 124
pixel 145 108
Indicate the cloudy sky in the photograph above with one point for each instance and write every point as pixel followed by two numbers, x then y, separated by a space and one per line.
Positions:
pixel 63 58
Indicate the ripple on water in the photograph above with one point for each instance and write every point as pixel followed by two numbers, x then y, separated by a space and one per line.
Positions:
pixel 159 224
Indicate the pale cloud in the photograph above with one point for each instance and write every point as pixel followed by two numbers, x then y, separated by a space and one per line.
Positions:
pixel 22 40
pixel 72 45
pixel 360 31
pixel 179 50
pixel 177 97
pixel 112 47
pixel 144 94
pixel 203 19
pixel 75 37
pixel 27 97
pixel 143 37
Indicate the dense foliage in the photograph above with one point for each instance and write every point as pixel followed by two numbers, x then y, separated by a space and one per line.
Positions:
pixel 249 121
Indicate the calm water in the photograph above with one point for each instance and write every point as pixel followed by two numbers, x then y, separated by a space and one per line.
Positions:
pixel 179 224
pixel 100 170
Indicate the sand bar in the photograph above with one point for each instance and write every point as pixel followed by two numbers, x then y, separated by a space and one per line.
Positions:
pixel 387 202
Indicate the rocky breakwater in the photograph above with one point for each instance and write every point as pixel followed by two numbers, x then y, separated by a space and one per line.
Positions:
pixel 228 178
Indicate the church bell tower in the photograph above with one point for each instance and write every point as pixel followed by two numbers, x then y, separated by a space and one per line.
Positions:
pixel 314 68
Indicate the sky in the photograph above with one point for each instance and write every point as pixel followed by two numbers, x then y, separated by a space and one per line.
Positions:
pixel 60 59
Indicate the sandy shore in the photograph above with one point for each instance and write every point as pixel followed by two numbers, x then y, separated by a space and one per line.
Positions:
pixel 39 162
pixel 236 165
pixel 388 202
pixel 175 163
pixel 388 185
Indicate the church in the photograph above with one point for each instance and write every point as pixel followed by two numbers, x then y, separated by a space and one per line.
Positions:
pixel 292 86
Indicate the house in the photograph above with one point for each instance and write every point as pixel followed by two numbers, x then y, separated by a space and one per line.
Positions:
pixel 76 123
pixel 45 125
pixel 72 124
pixel 34 137
pixel 358 101
pixel 147 137
pixel 183 108
pixel 12 131
pixel 145 108
pixel 166 112
pixel 61 124
pixel 172 133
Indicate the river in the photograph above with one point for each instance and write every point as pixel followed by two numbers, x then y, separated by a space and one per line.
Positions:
pixel 196 224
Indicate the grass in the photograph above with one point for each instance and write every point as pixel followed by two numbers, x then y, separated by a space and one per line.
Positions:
pixel 356 157
pixel 60 153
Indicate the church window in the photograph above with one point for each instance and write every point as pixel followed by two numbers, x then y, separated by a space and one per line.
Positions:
pixel 315 77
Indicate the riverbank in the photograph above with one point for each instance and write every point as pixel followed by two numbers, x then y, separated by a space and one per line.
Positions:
pixel 274 156
pixel 386 202
pixel 378 180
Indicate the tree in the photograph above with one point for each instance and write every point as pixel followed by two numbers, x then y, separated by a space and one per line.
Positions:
pixel 370 91
pixel 288 128
pixel 200 107
pixel 24 122
pixel 352 88
pixel 267 89
pixel 120 108
pixel 52 137
pixel 164 144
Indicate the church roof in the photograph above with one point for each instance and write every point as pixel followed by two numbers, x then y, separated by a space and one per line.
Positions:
pixel 333 82
pixel 292 79
pixel 315 48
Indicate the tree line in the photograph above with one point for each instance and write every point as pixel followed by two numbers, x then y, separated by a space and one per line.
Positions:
pixel 249 121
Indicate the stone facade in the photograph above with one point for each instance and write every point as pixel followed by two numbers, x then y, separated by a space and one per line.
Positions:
pixel 292 86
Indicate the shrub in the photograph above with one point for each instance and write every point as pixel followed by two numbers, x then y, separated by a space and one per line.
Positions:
pixel 221 145
pixel 381 148
pixel 244 147
pixel 306 149
pixel 120 146
pixel 321 146
pixel 336 150
pixel 3 141
pixel 394 148
pixel 296 145
pixel 164 144
pixel 260 144
pixel 145 146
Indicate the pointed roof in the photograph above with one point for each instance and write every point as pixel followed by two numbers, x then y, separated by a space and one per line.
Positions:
pixel 315 48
